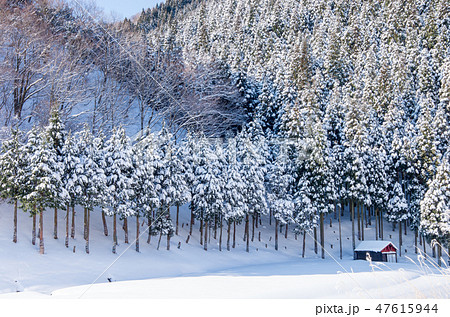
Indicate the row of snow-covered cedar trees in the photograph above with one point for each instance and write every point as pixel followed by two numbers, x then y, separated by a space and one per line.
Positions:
pixel 231 181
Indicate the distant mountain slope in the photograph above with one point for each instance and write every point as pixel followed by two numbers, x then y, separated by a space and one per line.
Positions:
pixel 291 55
pixel 162 13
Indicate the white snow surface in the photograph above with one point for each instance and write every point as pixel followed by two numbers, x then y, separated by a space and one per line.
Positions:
pixel 372 245
pixel 191 272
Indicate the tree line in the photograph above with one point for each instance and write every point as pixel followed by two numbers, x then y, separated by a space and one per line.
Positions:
pixel 360 89
pixel 226 182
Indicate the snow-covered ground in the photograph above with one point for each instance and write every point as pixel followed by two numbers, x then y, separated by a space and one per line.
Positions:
pixel 191 272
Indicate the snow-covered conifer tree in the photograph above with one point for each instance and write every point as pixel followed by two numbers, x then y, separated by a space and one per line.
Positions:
pixel 333 125
pixel 435 208
pixel 397 209
pixel 71 160
pixel 306 215
pixel 235 207
pixel 280 185
pixel 44 186
pixel 354 156
pixel 56 135
pixel 314 165
pixel 33 141
pixel 144 195
pixel 118 173
pixel 209 186
pixel 164 185
pixel 441 127
pixel 11 165
pixel 181 174
pixel 189 151
pixel 250 148
pixel 425 151
pixel 90 180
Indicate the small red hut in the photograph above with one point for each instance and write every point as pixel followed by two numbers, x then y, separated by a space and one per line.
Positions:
pixel 382 251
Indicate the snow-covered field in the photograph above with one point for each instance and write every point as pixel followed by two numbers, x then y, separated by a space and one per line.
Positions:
pixel 191 272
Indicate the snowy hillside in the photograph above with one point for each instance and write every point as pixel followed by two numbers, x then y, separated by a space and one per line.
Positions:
pixel 261 273
pixel 282 132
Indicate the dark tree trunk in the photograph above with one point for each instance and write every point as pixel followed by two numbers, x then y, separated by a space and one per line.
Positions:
pixel 381 225
pixel 15 222
pixel 85 224
pixel 220 234
pixel 55 224
pixel 159 240
pixel 105 227
pixel 352 212
pixel 67 226
pixel 234 234
pixel 216 219
pixel 125 229
pixel 304 244
pixel 358 220
pixel 439 254
pixel 253 227
pixel 415 241
pixel 286 233
pixel 114 233
pixel 365 218
pixel 149 223
pixel 168 233
pixel 192 220
pixel 276 234
pixel 201 227
pixel 376 224
pixel 270 217
pixel 205 244
pixel 424 247
pixel 137 233
pixel 168 241
pixel 340 234
pixel 209 233
pixel 41 231
pixel 400 238
pixel 322 236
pixel 362 221
pixel 247 233
pixel 87 230
pixel 72 230
pixel 178 215
pixel 315 240
pixel 228 235
pixel 380 219
pixel 33 232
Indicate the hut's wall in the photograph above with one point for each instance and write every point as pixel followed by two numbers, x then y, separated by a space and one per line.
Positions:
pixel 375 256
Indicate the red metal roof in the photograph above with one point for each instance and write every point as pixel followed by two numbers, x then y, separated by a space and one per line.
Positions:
pixel 389 248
